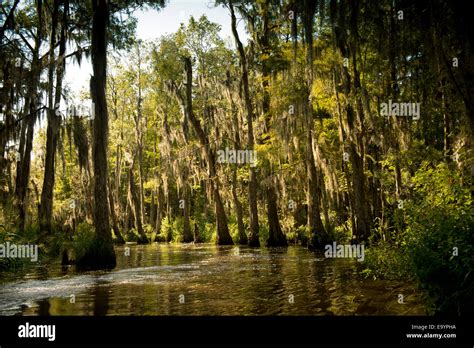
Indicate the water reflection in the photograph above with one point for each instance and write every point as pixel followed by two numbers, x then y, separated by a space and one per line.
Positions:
pixel 204 279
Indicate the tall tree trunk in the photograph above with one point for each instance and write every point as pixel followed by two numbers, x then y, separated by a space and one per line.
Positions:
pixel 187 233
pixel 135 205
pixel 54 121
pixel 6 99
pixel 238 209
pixel 140 213
pixel 159 209
pixel 355 136
pixel 253 239
pixel 318 234
pixel 102 254
pixel 116 186
pixel 155 221
pixel 113 215
pixel 139 135
pixel 152 216
pixel 276 236
pixel 275 233
pixel 27 131
pixel 223 235
pixel 236 130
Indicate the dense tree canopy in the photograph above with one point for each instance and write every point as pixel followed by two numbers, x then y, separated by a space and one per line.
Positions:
pixel 346 121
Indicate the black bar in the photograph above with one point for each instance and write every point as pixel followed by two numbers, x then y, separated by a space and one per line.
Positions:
pixel 248 331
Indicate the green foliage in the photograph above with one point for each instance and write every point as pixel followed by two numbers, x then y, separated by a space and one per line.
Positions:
pixel 233 229
pixel 9 263
pixel 177 230
pixel 207 230
pixel 150 232
pixel 263 232
pixel 288 227
pixel 83 239
pixel 57 241
pixel 342 234
pixel 386 257
pixel 29 235
pixel 439 220
pixel 439 225
pixel 131 235
pixel 166 233
pixel 303 234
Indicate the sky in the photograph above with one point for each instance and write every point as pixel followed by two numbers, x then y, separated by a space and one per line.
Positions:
pixel 152 24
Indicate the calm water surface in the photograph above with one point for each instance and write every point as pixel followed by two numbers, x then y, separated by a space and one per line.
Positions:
pixel 215 280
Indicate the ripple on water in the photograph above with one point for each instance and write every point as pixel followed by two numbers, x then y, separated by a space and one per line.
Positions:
pixel 231 280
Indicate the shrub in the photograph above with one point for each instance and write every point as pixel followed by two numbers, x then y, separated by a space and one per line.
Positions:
pixel 83 239
pixel 208 234
pixel 8 263
pixel 132 235
pixel 234 229
pixel 439 237
pixel 343 233
pixel 436 244
pixel 177 230
pixel 303 234
pixel 150 232
pixel 166 233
